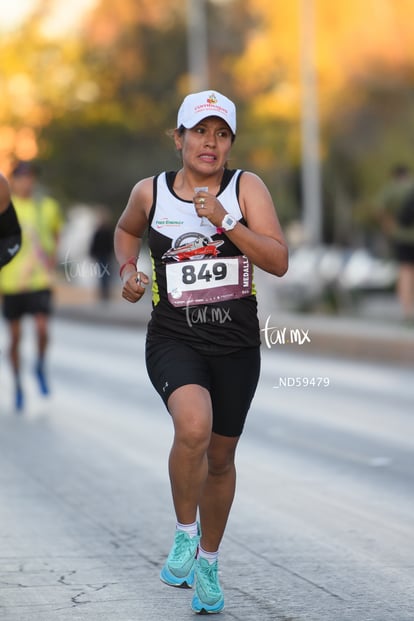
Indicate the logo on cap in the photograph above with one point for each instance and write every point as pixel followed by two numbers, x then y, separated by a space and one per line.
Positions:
pixel 212 99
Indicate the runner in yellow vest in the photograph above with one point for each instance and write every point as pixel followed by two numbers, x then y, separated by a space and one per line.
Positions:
pixel 26 283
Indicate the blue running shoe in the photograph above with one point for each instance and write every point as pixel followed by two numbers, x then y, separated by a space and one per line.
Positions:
pixel 41 378
pixel 178 570
pixel 208 596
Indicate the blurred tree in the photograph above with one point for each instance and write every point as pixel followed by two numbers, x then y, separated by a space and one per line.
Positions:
pixel 366 140
pixel 40 80
pixel 360 49
pixel 94 103
pixel 109 93
pixel 116 137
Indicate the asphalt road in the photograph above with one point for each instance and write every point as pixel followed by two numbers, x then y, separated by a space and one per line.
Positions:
pixel 322 528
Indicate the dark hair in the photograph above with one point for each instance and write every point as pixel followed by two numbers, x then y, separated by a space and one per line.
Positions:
pixel 25 168
pixel 400 170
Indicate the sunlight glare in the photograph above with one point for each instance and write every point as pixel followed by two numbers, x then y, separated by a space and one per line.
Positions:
pixel 63 16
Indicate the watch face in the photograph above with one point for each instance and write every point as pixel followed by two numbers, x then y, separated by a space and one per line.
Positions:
pixel 229 222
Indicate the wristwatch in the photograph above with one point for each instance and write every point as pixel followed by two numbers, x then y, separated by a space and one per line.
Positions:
pixel 228 223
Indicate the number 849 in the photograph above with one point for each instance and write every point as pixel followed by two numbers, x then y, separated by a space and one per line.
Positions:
pixel 190 275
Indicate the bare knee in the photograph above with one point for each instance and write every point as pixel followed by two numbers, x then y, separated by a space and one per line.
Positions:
pixel 221 455
pixel 193 439
pixel 190 409
pixel 220 467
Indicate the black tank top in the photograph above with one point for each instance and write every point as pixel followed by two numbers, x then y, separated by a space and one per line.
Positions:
pixel 202 289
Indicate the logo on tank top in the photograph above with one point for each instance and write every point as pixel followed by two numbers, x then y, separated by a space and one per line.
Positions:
pixel 167 222
pixel 192 246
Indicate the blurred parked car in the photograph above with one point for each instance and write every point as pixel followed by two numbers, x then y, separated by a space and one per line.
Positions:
pixel 333 276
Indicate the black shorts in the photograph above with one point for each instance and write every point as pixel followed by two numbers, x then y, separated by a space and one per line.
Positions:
pixel 30 303
pixel 231 379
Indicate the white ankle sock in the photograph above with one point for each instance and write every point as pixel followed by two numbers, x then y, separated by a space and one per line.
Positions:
pixel 190 529
pixel 211 557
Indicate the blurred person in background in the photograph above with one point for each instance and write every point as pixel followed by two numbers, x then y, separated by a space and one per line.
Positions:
pixel 396 207
pixel 10 231
pixel 102 249
pixel 208 226
pixel 26 283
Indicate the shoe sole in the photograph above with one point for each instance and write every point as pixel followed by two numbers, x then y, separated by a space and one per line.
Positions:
pixel 205 609
pixel 182 583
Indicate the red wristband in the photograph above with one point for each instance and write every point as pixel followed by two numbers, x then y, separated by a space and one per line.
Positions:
pixel 131 261
pixel 220 230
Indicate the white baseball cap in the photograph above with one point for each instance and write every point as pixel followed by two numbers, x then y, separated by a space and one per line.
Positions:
pixel 199 106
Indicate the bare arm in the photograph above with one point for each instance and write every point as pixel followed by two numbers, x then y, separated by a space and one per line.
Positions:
pixel 127 239
pixel 262 240
pixel 10 232
pixel 4 194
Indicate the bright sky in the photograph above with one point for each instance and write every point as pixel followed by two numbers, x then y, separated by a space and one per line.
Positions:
pixel 63 17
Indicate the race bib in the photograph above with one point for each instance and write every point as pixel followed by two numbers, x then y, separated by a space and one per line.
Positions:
pixel 206 281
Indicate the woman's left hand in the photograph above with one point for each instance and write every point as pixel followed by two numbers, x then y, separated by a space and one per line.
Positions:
pixel 133 285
